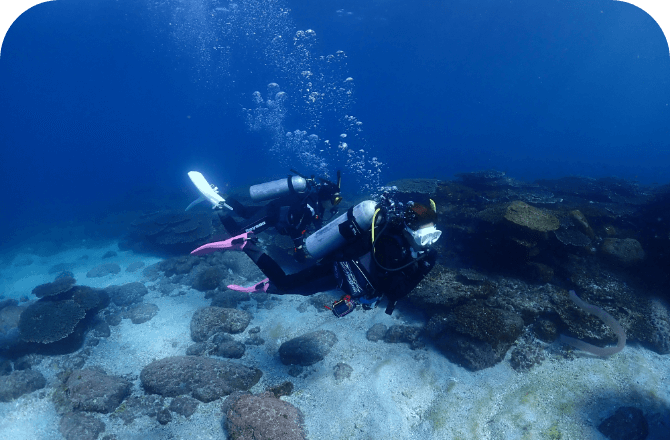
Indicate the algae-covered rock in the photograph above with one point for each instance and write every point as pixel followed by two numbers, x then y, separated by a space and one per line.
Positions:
pixel 208 279
pixel 262 416
pixel 443 289
pixel 627 251
pixel 18 383
pixel 93 390
pixel 206 378
pixel 582 223
pixel 307 349
pixel 527 216
pixel 208 321
pixel 474 335
pixel 103 270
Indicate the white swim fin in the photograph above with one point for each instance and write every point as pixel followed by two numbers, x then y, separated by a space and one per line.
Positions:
pixel 195 202
pixel 209 192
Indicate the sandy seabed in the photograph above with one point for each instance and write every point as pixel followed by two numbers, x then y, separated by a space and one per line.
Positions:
pixel 393 392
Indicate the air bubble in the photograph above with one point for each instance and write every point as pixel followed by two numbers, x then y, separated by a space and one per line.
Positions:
pixel 316 90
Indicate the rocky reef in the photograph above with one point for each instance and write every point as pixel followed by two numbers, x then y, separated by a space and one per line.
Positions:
pixel 512 250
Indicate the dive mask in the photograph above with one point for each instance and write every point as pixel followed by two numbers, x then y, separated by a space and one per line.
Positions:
pixel 425 236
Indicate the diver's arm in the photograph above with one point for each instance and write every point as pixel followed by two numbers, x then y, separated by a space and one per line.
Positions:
pixel 242 210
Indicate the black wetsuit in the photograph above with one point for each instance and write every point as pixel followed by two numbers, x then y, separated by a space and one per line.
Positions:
pixel 360 276
pixel 290 215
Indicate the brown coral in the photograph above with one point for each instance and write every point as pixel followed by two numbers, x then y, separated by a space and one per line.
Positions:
pixel 50 321
pixel 56 287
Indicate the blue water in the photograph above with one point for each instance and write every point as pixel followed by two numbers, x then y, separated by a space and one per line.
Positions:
pixel 107 105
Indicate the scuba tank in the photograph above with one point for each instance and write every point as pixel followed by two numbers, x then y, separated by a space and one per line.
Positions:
pixel 277 188
pixel 345 228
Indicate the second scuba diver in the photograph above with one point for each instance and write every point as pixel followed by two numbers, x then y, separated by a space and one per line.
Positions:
pixel 372 251
pixel 297 202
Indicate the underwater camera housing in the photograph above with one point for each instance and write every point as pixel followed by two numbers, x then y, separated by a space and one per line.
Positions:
pixel 342 306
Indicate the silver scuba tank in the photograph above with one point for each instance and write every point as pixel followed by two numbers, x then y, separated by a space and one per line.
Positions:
pixel 277 188
pixel 329 238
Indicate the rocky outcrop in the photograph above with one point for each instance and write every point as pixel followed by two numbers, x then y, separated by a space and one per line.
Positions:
pixel 307 349
pixel 531 218
pixel 127 294
pixel 184 405
pixel 80 426
pixel 10 316
pixel 623 251
pixel 208 321
pixel 208 278
pixel 103 270
pixel 93 390
pixel 262 417
pixel 142 313
pixel 205 378
pixel 627 423
pixel 18 383
pixel 135 266
pixel 474 335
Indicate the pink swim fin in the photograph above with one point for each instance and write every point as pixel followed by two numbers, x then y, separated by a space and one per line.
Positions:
pixel 236 243
pixel 258 287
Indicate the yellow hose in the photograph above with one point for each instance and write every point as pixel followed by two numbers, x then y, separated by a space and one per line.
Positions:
pixel 374 217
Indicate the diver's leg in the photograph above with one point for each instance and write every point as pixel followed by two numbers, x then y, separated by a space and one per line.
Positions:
pixel 313 279
pixel 254 252
pixel 230 225
pixel 242 210
pixel 255 213
pixel 259 222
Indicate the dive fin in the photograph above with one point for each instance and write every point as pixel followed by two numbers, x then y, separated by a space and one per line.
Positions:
pixel 233 244
pixel 209 192
pixel 258 287
pixel 195 202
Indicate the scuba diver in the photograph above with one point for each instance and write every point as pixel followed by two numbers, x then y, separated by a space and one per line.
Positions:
pixel 371 251
pixel 296 203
